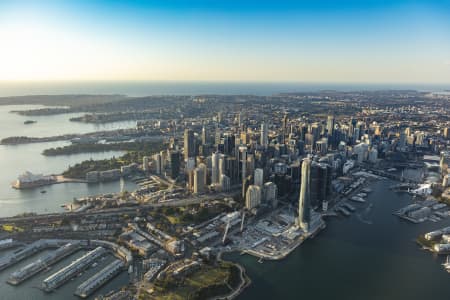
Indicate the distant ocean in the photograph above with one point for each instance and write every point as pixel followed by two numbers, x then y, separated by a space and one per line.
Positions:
pixel 147 88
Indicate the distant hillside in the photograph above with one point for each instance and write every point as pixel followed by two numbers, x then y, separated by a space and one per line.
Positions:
pixel 62 100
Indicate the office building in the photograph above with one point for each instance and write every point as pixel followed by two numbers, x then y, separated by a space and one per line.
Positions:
pixel 253 197
pixel 264 135
pixel 174 161
pixel 270 194
pixel 215 174
pixel 304 203
pixel 189 144
pixel 259 177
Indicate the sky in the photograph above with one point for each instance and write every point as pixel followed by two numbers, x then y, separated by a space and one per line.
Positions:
pixel 213 40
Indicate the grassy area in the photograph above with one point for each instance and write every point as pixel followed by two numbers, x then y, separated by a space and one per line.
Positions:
pixel 79 170
pixel 192 214
pixel 207 282
pixel 88 148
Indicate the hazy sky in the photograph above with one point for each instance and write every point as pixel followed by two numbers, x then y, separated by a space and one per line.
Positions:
pixel 308 41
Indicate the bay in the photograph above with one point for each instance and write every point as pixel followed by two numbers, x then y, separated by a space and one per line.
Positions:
pixel 370 255
pixel 16 159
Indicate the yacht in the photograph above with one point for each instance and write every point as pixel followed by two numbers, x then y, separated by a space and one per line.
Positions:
pixel 447 264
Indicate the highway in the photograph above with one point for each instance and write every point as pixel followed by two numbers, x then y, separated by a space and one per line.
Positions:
pixel 115 211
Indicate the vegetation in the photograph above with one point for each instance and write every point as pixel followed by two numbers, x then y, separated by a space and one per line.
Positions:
pixel 192 214
pixel 79 170
pixel 208 282
pixel 83 148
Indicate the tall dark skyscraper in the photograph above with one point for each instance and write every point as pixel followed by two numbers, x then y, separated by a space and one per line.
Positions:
pixel 174 159
pixel 304 201
pixel 189 144
pixel 284 128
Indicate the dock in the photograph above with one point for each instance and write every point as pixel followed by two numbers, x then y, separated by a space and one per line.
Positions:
pixel 8 243
pixel 57 279
pixel 21 254
pixel 42 263
pixel 92 284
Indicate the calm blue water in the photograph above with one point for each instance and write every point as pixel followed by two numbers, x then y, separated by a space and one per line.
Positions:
pixel 146 88
pixel 356 259
pixel 14 160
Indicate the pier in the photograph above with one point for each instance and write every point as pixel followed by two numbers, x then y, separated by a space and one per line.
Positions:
pixel 57 279
pixel 21 254
pixel 89 286
pixel 42 263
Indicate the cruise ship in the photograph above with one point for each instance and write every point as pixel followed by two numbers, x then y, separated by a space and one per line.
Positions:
pixel 29 180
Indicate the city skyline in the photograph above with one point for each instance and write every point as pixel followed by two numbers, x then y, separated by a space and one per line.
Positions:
pixel 347 42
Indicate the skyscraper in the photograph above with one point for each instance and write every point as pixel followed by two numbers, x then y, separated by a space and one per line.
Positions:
pixel 199 180
pixel 243 161
pixel 215 168
pixel 270 193
pixel 225 183
pixel 253 197
pixel 174 159
pixel 330 125
pixel 204 137
pixel 304 214
pixel 284 128
pixel 158 163
pixel 264 135
pixel 259 177
pixel 189 144
pixel 446 133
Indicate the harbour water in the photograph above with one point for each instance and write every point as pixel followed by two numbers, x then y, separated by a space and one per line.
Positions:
pixel 16 159
pixel 29 289
pixel 370 255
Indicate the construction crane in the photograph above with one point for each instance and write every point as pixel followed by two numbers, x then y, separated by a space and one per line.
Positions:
pixel 226 232
pixel 242 221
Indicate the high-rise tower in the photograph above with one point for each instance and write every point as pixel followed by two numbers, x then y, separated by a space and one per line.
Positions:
pixel 304 201
pixel 264 135
pixel 189 144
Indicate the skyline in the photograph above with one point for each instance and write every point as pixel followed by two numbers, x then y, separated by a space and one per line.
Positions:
pixel 350 42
